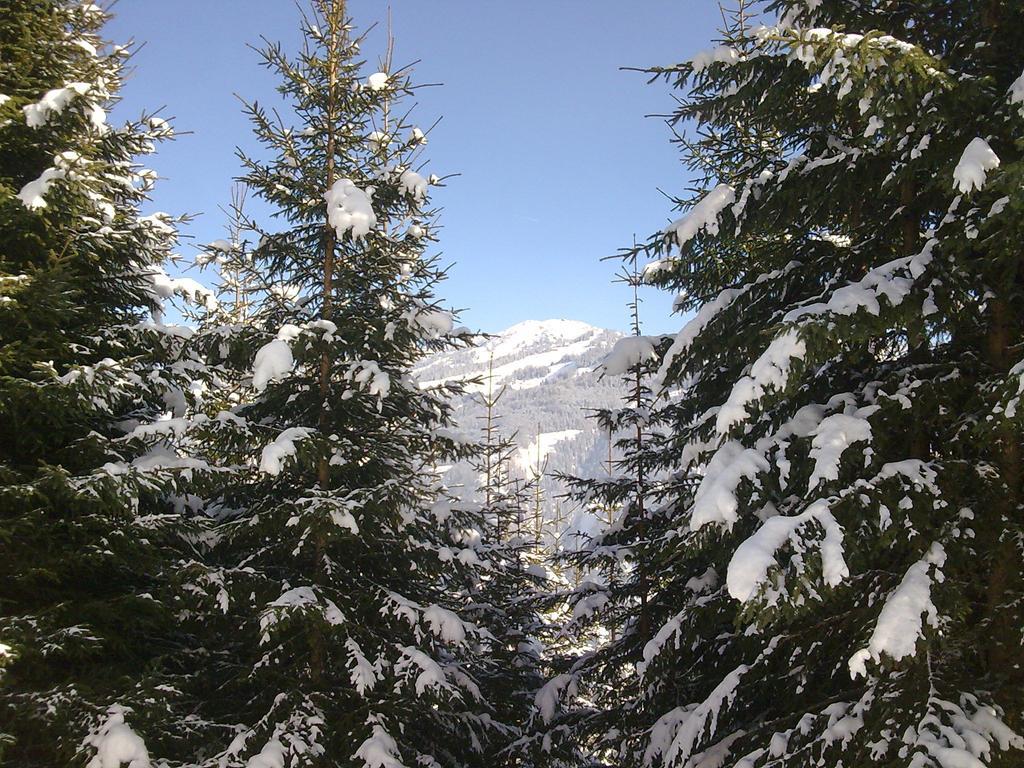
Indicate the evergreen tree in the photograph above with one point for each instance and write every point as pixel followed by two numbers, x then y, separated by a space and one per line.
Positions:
pixel 88 475
pixel 840 535
pixel 507 601
pixel 345 630
pixel 610 616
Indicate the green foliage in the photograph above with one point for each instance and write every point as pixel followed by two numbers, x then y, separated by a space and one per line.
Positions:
pixel 90 535
pixel 348 596
pixel 840 466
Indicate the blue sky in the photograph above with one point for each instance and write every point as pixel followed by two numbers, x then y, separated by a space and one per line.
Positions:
pixel 559 165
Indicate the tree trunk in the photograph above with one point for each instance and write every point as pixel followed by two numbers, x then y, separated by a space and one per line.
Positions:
pixel 334 14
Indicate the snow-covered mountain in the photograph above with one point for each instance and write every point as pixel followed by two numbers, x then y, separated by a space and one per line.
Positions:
pixel 549 371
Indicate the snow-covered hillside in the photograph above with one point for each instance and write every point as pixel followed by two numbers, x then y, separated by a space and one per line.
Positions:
pixel 549 370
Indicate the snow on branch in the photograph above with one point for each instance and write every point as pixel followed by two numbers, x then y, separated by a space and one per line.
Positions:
pixel 546 699
pixel 116 743
pixel 362 673
pixel 33 193
pixel 274 360
pixel 283 447
pixel 298 600
pixel 1015 94
pixel 349 209
pixel 379 750
pixel 894 280
pixel 749 566
pixel 706 314
pixel 703 216
pixel 687 725
pixel 722 54
pixel 950 735
pixel 629 352
pixel 431 675
pixel 769 372
pixel 715 500
pixel 975 163
pixel 271 756
pixel 55 101
pixel 900 623
pixel 832 437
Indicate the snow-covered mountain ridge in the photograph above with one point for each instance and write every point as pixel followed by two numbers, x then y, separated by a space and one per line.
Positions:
pixel 549 369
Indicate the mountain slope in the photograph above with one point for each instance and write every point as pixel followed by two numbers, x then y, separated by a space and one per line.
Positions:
pixel 549 371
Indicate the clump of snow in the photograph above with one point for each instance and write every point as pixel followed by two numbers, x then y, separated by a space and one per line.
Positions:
pixel 769 371
pixel 589 605
pixel 54 102
pixel 327 328
pixel 299 599
pixel 434 322
pixel 546 699
pixel 431 675
pixel 683 727
pixel 273 361
pixel 378 81
pixel 975 163
pixel 445 624
pixel 273 456
pixel 629 352
pixel 703 215
pixel 379 750
pixel 715 500
pixel 271 756
pixel 362 673
pixel 900 621
pixel 413 185
pixel 222 246
pixel 723 54
pixel 32 194
pixel 116 744
pixel 416 136
pixel 748 568
pixel 160 127
pixel 348 208
pixel 163 286
pixel 1016 92
pixel 832 437
pixel 657 643
pixel 368 373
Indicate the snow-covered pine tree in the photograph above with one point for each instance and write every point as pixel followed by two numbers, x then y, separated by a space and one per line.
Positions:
pixel 89 642
pixel 842 542
pixel 342 565
pixel 588 711
pixel 508 599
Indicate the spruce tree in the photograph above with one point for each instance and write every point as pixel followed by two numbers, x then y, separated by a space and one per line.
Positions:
pixel 840 532
pixel 508 599
pixel 587 710
pixel 345 631
pixel 90 645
